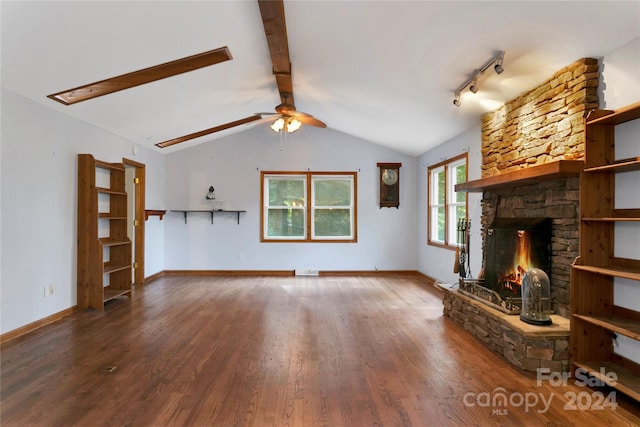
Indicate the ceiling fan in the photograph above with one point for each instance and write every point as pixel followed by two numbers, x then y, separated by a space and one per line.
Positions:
pixel 273 20
pixel 290 119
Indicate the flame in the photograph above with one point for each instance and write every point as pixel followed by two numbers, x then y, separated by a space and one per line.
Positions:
pixel 521 263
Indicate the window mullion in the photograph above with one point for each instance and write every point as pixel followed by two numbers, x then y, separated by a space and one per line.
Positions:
pixel 446 204
pixel 310 205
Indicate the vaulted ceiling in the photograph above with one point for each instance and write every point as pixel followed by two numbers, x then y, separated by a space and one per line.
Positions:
pixel 383 71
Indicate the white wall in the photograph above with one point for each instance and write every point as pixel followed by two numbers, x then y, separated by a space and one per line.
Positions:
pixel 154 199
pixel 621 76
pixel 386 237
pixel 39 198
pixel 437 262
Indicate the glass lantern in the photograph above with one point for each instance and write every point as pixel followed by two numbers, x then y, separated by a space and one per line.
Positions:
pixel 536 298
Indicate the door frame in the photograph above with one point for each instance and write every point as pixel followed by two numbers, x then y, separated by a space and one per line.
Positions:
pixel 138 250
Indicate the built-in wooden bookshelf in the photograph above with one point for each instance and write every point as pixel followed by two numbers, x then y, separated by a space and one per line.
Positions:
pixel 104 250
pixel 596 321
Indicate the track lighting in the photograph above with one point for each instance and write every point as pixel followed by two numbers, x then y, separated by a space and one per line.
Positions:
pixel 472 83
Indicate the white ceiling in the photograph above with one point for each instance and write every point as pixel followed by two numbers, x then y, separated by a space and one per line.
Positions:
pixel 382 71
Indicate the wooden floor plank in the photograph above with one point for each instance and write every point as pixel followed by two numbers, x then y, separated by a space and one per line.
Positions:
pixel 289 351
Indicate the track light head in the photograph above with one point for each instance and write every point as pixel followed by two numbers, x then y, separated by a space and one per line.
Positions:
pixel 474 85
pixel 456 100
pixel 498 64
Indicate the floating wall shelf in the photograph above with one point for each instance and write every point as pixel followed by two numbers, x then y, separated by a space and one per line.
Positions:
pixel 212 212
pixel 149 212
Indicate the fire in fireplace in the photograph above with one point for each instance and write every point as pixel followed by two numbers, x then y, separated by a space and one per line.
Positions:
pixel 513 246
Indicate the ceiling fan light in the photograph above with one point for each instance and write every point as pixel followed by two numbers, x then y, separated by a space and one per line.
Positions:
pixel 293 125
pixel 278 125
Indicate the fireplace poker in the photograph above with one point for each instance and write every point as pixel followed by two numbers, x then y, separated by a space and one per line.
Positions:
pixel 467 244
pixel 463 248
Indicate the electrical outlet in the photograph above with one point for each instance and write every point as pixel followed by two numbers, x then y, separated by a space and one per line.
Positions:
pixel 50 289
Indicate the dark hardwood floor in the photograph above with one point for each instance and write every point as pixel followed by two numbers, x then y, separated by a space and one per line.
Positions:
pixel 322 351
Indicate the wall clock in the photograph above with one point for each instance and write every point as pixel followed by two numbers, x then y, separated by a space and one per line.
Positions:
pixel 389 185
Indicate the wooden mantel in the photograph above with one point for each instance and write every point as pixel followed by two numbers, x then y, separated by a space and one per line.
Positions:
pixel 531 175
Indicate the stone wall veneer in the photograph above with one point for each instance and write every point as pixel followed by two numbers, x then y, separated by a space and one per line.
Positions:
pixel 542 125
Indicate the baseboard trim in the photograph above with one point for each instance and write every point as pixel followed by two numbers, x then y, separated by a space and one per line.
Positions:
pixel 153 277
pixel 23 330
pixel 428 280
pixel 367 273
pixel 283 273
pixel 254 273
pixel 245 273
pixel 430 283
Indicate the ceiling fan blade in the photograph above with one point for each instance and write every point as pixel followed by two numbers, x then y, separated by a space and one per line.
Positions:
pixel 140 77
pixel 275 28
pixel 170 142
pixel 309 120
pixel 297 114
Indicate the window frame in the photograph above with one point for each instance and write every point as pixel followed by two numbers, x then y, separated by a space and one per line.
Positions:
pixel 450 224
pixel 309 206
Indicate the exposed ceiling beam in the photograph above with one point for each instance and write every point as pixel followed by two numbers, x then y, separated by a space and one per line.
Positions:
pixel 140 77
pixel 170 142
pixel 275 28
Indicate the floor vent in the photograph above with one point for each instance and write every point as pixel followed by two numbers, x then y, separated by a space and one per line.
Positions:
pixel 306 272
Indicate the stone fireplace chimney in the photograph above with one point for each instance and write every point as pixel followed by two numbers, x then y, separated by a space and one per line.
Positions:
pixel 542 126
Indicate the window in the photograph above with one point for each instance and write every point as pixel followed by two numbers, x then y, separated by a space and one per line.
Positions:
pixel 309 206
pixel 446 206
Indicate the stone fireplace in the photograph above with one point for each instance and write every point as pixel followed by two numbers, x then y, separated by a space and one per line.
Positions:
pixel 555 200
pixel 532 151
